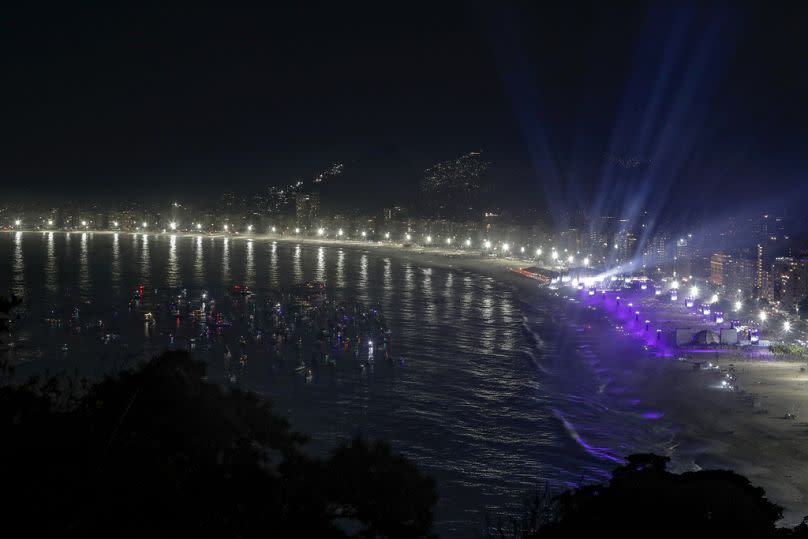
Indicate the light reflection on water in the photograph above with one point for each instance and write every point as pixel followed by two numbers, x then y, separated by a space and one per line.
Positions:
pixel 225 260
pixel 340 269
pixel 199 263
pixel 51 270
pixel 116 265
pixel 173 271
pixel 362 283
pixel 319 274
pixel 249 277
pixel 298 268
pixel 17 267
pixel 273 266
pixel 145 265
pixel 462 395
pixel 85 278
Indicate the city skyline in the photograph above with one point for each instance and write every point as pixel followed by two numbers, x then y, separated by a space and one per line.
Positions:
pixel 574 107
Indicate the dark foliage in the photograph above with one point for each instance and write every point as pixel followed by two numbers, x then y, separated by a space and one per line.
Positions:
pixel 643 499
pixel 6 306
pixel 159 451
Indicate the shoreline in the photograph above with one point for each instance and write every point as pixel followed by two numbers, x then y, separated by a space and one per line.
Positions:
pixel 744 431
pixel 472 259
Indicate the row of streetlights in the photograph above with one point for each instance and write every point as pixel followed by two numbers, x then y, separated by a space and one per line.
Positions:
pixel 506 247
pixel 737 305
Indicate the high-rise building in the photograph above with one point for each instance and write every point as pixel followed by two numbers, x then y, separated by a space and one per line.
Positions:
pixel 570 239
pixel 719 266
pixel 682 260
pixel 790 280
pixel 739 276
pixel 307 207
pixel 760 272
pixel 626 246
pixel 656 251
pixel 396 213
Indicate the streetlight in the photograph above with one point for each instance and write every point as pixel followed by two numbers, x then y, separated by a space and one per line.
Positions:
pixel 448 241
pixel 145 224
pixel 468 242
pixel 199 226
pixel 320 231
pixel 570 259
pixel 522 249
pixel 340 232
pixel 364 234
pixel 429 239
pixel 487 244
pixel 538 251
pixel 586 261
pixel 273 229
pixel 762 316
pixel 738 305
pixel 297 230
pixel 226 227
pixel 173 225
pixel 786 326
pixel 84 224
pixel 694 291
pixel 249 228
pixel 17 222
pixel 554 255
pixel 115 224
pixel 50 222
pixel 505 247
pixel 387 235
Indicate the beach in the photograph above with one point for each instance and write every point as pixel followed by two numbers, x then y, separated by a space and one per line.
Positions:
pixel 687 414
pixel 755 425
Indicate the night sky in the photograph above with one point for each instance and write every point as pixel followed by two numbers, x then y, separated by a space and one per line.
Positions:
pixel 586 105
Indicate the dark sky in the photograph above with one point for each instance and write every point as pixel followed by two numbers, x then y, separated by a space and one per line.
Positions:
pixel 702 96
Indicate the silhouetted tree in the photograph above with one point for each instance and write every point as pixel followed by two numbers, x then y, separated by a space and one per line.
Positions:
pixel 643 499
pixel 7 304
pixel 157 450
pixel 365 479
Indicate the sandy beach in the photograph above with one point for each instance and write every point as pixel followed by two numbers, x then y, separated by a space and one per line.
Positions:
pixel 748 432
pixel 745 430
pixel 759 429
